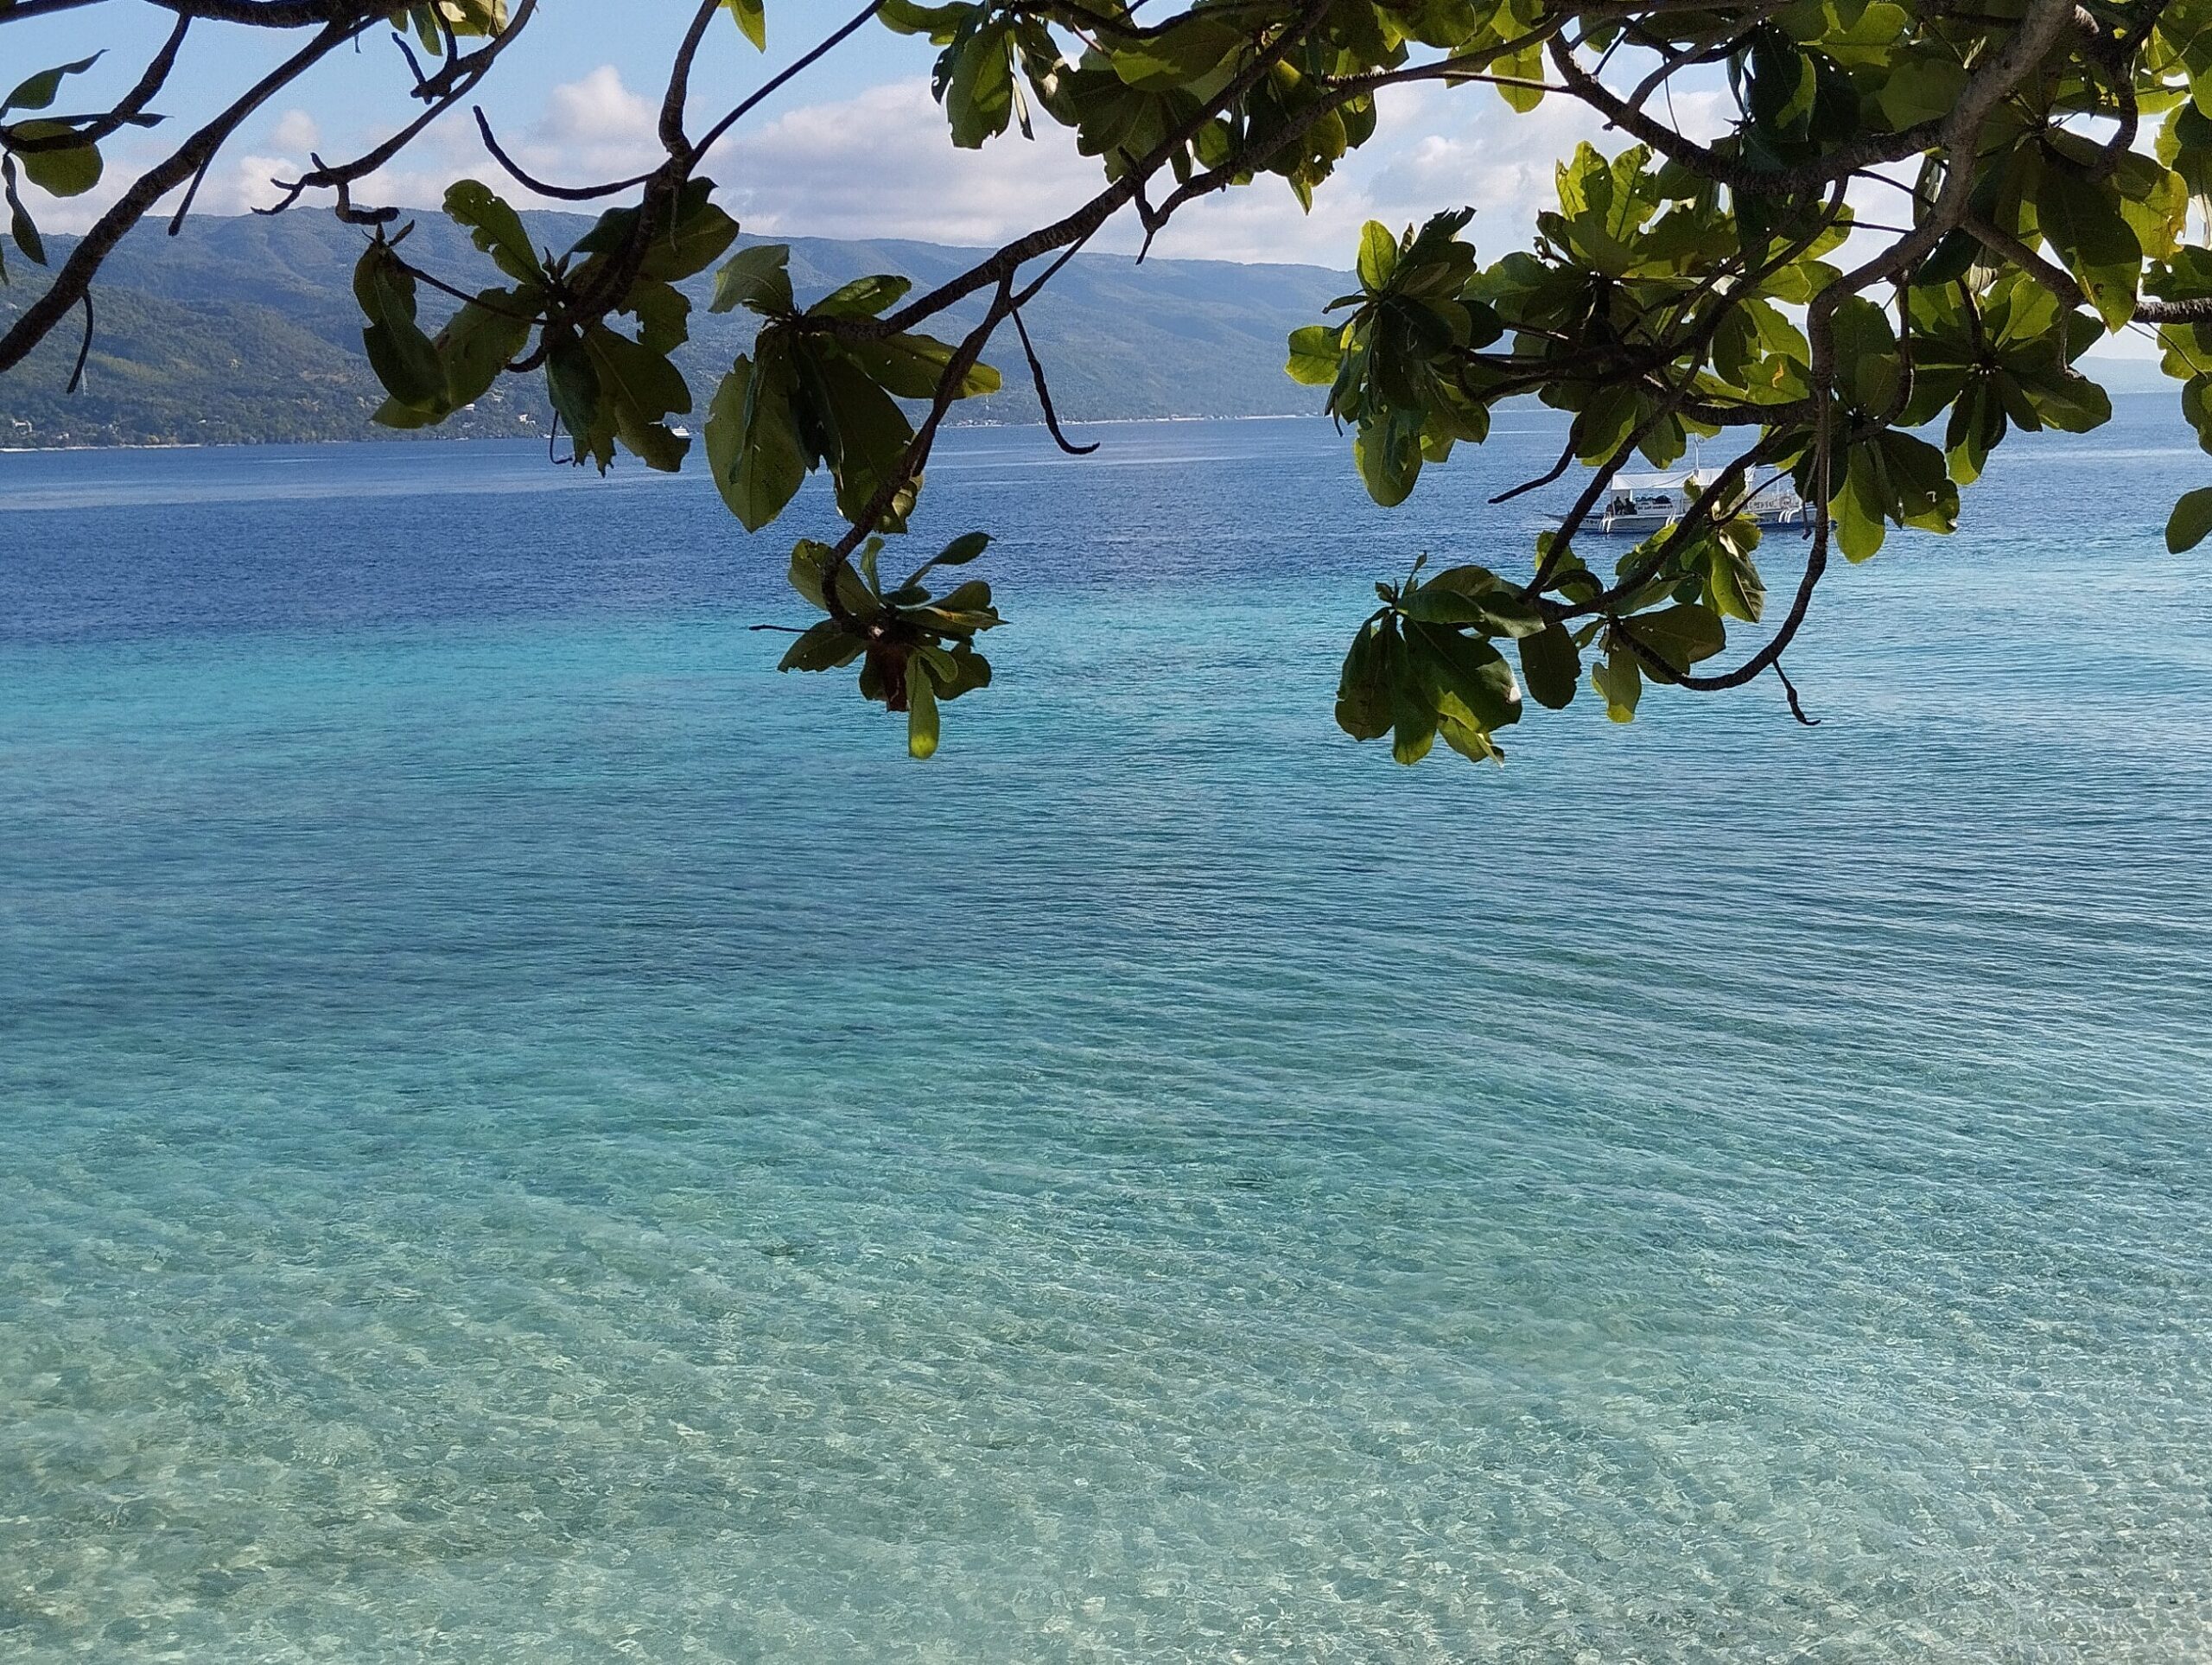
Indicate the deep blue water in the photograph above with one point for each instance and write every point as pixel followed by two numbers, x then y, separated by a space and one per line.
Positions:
pixel 524 1134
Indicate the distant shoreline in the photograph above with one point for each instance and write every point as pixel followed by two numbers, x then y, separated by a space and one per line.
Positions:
pixel 2141 379
pixel 527 439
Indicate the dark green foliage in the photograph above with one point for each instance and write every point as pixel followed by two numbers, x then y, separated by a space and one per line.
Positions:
pixel 914 647
pixel 806 398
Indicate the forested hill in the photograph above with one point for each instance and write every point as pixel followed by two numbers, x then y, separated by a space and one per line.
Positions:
pixel 245 329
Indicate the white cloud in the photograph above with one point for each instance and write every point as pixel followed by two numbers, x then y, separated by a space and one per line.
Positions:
pixel 881 163
pixel 247 183
pixel 596 128
pixel 1431 150
pixel 591 130
pixel 296 133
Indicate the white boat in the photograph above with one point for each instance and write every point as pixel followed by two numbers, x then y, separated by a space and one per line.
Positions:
pixel 1639 505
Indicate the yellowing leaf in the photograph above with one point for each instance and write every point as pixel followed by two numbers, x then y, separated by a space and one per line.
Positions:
pixel 752 19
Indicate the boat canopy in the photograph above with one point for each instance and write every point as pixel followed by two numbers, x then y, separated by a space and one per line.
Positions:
pixel 1673 482
pixel 1668 482
pixel 1647 485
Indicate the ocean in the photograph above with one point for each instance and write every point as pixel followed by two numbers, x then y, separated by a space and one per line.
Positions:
pixel 525 1135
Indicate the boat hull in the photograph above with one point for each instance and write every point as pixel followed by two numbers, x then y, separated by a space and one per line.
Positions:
pixel 1642 523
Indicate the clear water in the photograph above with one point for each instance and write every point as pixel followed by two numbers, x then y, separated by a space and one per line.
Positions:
pixel 525 1135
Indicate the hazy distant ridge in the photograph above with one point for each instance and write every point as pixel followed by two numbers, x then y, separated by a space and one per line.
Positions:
pixel 245 329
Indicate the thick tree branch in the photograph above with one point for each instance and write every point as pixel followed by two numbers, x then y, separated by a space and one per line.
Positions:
pixel 185 162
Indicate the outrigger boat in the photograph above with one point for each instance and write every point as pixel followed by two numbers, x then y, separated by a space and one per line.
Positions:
pixel 1639 505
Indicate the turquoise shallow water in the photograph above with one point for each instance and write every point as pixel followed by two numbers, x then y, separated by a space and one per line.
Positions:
pixel 525 1135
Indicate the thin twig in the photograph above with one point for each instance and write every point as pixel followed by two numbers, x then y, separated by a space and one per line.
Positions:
pixel 1044 394
pixel 84 347
pixel 1796 707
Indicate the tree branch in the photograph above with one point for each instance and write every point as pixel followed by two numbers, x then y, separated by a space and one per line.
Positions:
pixel 188 160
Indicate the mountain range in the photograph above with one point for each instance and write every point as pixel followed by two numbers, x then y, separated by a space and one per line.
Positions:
pixel 245 329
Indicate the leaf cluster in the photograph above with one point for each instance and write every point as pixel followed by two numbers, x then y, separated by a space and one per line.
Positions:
pixel 51 155
pixel 608 387
pixel 915 648
pixel 807 398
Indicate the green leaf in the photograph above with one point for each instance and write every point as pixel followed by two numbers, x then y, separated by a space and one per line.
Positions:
pixel 1859 528
pixel 663 312
pixel 636 375
pixel 694 240
pixel 641 388
pixel 484 337
pixel 864 297
pixel 2184 144
pixel 753 447
pixel 1378 256
pixel 494 226
pixel 977 84
pixel 1363 688
pixel 1316 352
pixel 962 549
pixel 403 359
pixel 868 436
pixel 1865 352
pixel 1550 666
pixel 751 18
pixel 1406 699
pixel 36 92
pixel 959 553
pixel 1783 85
pixel 2084 226
pixel 825 646
pixel 810 559
pixel 1387 454
pixel 2190 521
pixel 921 709
pixel 1680 635
pixel 1738 590
pixel 1474 595
pixel 756 279
pixel 1526 65
pixel 1430 605
pixel 573 383
pixel 1473 744
pixel 1189 49
pixel 1468 678
pixel 906 17
pixel 1892 476
pixel 909 366
pixel 1914 89
pixel 1952 258
pixel 1619 683
pixel 974 596
pixel 20 226
pixel 71 171
pixel 970 671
